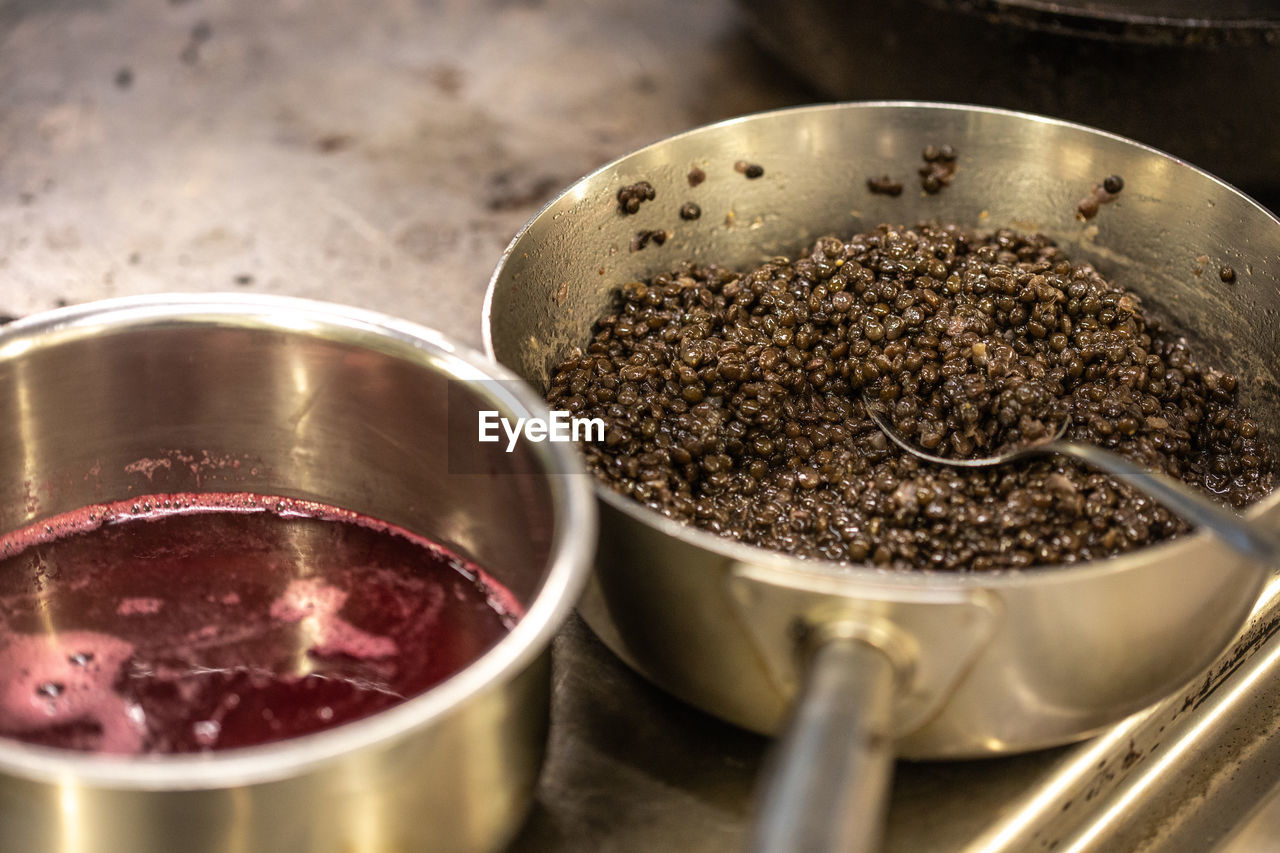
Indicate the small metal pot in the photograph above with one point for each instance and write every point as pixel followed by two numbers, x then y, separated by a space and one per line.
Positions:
pixel 939 664
pixel 290 397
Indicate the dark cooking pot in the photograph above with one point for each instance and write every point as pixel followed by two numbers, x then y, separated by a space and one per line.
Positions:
pixel 1199 79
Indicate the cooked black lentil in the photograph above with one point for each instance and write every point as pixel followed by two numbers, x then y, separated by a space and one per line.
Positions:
pixel 939 168
pixel 751 170
pixel 733 402
pixel 884 185
pixel 1227 274
pixel 1099 194
pixel 632 196
pixel 690 211
pixel 696 176
pixel 936 154
pixel 644 238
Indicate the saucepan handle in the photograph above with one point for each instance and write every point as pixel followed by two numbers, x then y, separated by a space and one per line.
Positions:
pixel 859 664
pixel 827 784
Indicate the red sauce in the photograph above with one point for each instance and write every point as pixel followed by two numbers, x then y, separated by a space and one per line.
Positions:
pixel 185 623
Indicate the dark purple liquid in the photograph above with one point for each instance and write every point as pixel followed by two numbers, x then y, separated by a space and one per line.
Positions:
pixel 183 623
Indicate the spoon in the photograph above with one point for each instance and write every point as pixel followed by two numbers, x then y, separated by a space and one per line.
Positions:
pixel 1246 537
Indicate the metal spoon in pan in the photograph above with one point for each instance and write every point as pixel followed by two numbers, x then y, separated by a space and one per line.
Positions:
pixel 1244 536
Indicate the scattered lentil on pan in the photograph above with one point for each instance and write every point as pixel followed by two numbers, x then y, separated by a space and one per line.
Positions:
pixel 632 196
pixel 1100 194
pixel 939 168
pixel 644 238
pixel 884 185
pixel 733 402
pixel 1087 207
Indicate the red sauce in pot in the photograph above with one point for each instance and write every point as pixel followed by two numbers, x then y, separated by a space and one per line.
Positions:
pixel 185 623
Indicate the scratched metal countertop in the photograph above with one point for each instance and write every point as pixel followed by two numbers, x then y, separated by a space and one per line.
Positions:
pixel 382 154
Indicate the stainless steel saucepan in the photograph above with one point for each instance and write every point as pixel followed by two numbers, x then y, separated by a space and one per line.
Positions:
pixel 877 663
pixel 278 396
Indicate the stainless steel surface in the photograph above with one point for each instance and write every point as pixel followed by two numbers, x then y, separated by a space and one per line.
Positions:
pixel 829 789
pixel 382 154
pixel 1184 775
pixel 275 396
pixel 1250 539
pixel 664 584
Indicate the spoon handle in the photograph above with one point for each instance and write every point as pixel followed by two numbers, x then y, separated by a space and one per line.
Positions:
pixel 1247 537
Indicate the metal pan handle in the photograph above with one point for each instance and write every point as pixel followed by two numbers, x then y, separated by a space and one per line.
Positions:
pixel 861 664
pixel 827 786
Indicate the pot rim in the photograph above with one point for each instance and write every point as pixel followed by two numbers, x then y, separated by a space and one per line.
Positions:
pixel 572 543
pixel 921 581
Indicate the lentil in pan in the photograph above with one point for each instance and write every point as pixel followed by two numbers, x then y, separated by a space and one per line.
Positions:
pixel 733 401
